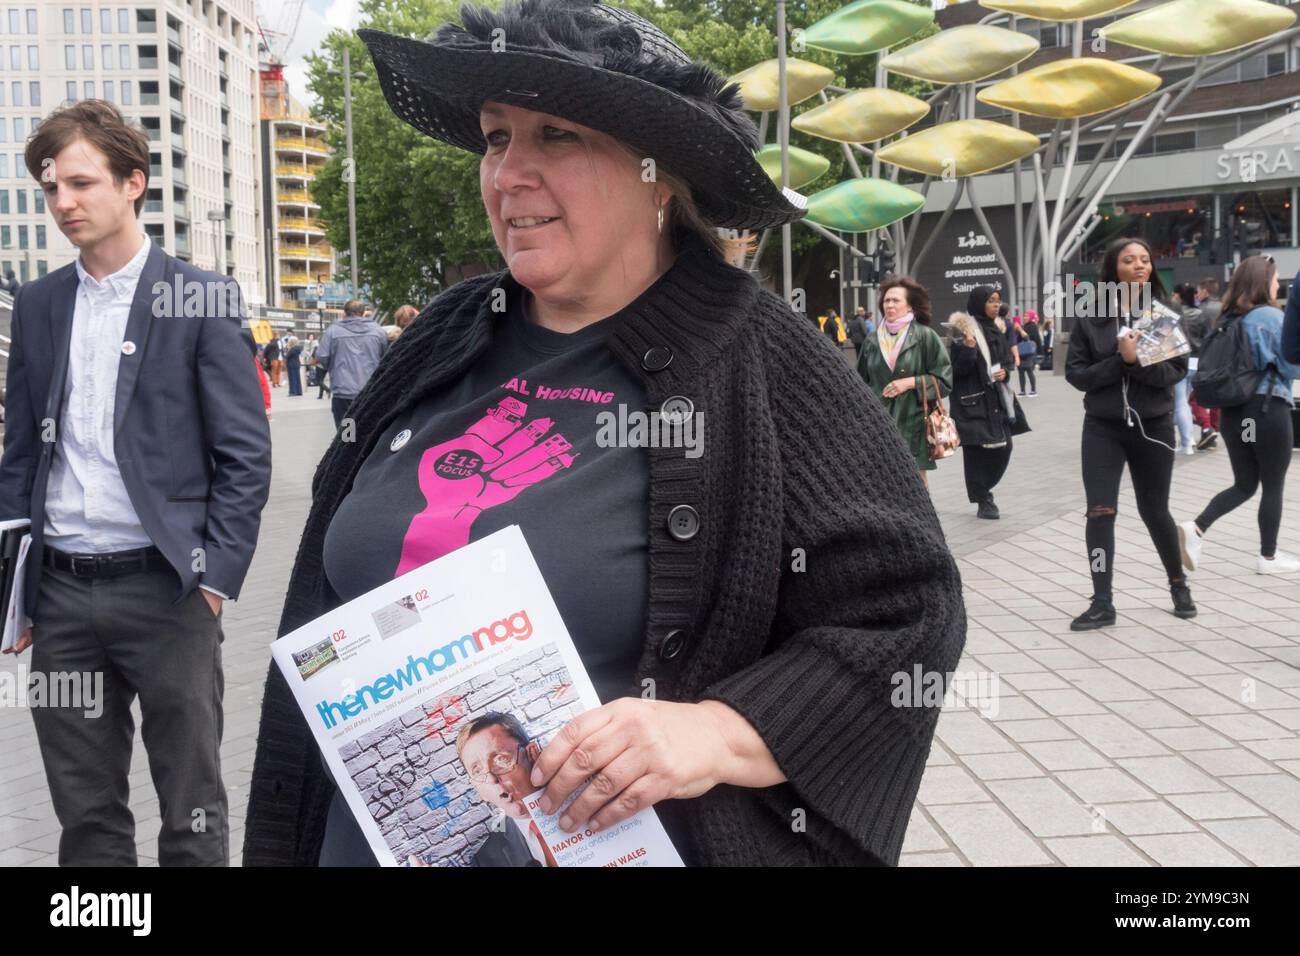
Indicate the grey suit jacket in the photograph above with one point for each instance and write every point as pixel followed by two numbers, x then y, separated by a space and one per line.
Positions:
pixel 190 431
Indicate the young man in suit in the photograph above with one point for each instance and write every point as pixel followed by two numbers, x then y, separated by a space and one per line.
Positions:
pixel 137 445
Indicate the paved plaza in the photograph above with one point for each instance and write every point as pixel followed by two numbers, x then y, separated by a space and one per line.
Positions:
pixel 1155 742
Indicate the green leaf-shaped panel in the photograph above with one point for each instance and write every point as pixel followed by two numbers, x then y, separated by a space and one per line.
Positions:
pixel 867 26
pixel 805 166
pixel 863 116
pixel 861 205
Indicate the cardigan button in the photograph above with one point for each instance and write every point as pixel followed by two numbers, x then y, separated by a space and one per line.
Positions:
pixel 673 645
pixel 677 409
pixel 657 359
pixel 683 522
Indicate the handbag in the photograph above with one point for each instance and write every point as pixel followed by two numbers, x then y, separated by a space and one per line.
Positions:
pixel 1026 348
pixel 940 430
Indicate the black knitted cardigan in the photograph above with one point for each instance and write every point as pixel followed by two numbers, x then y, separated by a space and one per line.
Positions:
pixel 818 573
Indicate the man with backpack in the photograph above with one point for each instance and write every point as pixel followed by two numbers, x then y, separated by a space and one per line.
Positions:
pixel 1243 372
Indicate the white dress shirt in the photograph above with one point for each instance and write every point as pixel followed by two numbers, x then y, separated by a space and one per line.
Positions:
pixel 87 509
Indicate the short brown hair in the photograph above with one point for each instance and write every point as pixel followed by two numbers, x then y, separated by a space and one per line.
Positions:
pixel 98 122
pixel 354 307
pixel 918 300
pixel 1252 281
pixel 404 314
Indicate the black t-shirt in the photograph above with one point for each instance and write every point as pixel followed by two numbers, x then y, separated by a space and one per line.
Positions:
pixel 514 441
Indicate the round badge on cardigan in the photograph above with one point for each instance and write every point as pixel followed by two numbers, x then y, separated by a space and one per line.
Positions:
pixel 128 348
pixel 400 439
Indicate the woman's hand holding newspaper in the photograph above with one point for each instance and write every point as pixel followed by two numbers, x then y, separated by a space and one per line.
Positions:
pixel 638 752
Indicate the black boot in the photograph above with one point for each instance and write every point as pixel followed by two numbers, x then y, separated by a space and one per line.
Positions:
pixel 988 509
pixel 1183 604
pixel 1101 613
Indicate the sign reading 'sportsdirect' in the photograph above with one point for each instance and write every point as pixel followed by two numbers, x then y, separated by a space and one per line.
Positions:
pixel 961 258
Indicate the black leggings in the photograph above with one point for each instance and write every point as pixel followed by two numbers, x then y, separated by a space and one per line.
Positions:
pixel 1259 458
pixel 1107 445
pixel 984 468
pixel 1027 366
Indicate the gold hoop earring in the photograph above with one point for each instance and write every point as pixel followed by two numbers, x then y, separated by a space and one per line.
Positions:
pixel 661 219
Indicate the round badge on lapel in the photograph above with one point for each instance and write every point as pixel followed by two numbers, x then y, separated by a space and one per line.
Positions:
pixel 128 348
pixel 400 439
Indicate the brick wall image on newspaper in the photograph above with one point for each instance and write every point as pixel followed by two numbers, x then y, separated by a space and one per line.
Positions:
pixel 414 784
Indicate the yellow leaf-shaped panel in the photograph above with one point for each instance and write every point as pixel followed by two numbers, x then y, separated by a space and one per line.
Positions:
pixel 1057 9
pixel 963 148
pixel 758 84
pixel 867 26
pixel 1200 27
pixel 962 55
pixel 1068 89
pixel 862 116
pixel 805 165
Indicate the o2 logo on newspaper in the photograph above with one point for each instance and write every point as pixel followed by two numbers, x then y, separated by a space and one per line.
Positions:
pixel 515 627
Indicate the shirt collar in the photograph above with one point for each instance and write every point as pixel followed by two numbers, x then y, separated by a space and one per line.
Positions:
pixel 124 279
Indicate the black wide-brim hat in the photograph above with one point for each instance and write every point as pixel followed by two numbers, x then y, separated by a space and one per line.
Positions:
pixel 597 65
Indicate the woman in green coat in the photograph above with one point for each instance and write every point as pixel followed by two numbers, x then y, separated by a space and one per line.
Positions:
pixel 904 356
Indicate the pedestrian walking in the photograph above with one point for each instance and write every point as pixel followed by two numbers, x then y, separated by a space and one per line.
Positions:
pixel 1028 346
pixel 271 352
pixel 1048 329
pixel 1258 432
pixel 1128 419
pixel 350 351
pixel 907 357
pixel 987 415
pixel 293 365
pixel 1184 302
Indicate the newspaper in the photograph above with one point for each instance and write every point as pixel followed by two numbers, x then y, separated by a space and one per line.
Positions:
pixel 390 682
pixel 15 615
pixel 1160 336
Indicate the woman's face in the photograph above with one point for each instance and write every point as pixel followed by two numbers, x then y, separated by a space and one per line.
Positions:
pixel 894 305
pixel 1134 264
pixel 992 306
pixel 1272 287
pixel 585 187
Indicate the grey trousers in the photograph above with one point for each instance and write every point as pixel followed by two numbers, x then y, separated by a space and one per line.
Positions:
pixel 128 630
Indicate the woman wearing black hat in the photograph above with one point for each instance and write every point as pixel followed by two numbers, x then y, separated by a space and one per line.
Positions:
pixel 1128 420
pixel 768 611
pixel 983 408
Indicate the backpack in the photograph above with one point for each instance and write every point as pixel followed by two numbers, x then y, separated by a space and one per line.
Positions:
pixel 1226 375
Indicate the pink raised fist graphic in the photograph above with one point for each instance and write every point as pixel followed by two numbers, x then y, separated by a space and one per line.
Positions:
pixel 462 477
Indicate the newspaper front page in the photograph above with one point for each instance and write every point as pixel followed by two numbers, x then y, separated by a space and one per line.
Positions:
pixel 431 696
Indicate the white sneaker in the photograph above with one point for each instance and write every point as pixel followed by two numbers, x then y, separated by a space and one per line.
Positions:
pixel 1189 450
pixel 1281 563
pixel 1189 542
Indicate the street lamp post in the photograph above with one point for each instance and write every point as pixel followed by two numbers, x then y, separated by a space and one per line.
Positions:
pixel 350 166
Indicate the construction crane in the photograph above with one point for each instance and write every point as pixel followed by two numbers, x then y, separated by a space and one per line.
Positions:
pixel 271 51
